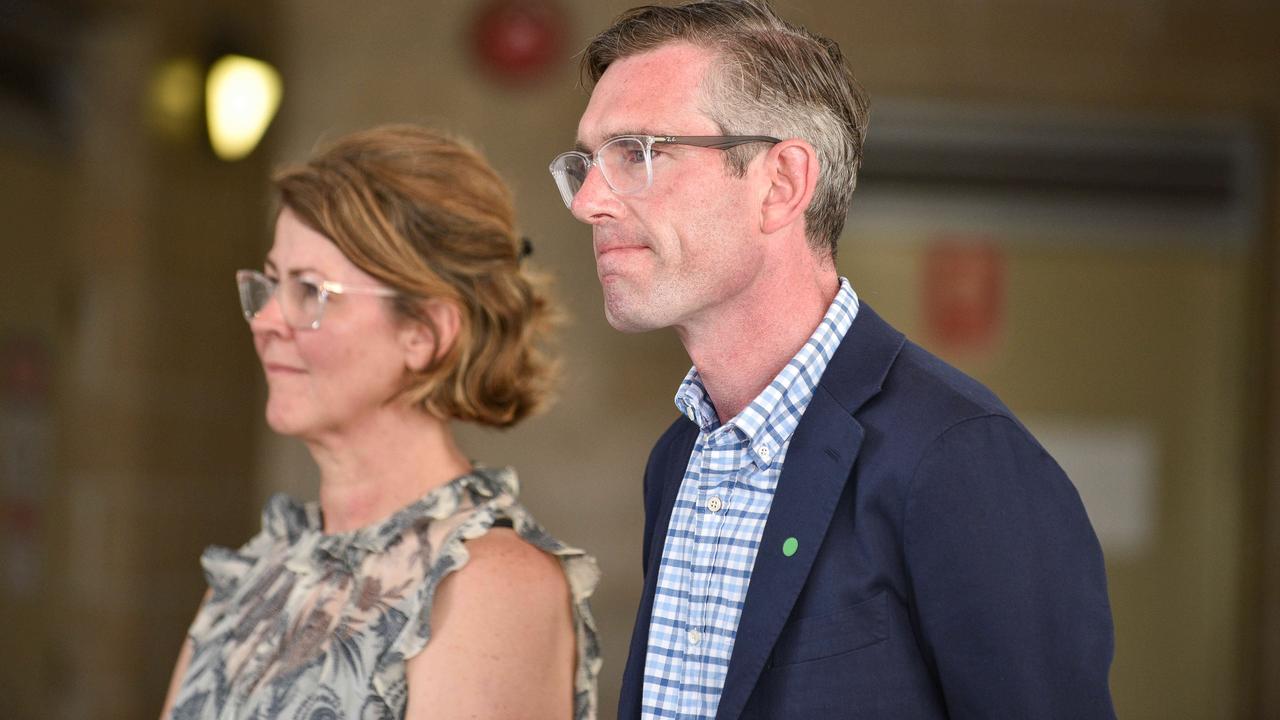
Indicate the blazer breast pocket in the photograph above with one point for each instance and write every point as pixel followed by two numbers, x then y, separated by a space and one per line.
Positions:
pixel 822 636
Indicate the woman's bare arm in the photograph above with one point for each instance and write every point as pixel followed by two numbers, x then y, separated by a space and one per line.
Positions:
pixel 502 641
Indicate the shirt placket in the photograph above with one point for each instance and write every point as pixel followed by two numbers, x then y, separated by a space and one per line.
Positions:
pixel 710 521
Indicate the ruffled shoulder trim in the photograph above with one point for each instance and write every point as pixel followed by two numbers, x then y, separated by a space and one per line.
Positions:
pixel 284 520
pixel 287 519
pixel 494 499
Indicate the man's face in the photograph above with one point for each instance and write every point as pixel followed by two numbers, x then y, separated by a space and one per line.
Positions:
pixel 682 251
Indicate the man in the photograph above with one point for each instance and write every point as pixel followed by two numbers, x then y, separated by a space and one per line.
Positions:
pixel 839 525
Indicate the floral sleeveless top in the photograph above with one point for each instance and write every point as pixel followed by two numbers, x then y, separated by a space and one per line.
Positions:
pixel 301 625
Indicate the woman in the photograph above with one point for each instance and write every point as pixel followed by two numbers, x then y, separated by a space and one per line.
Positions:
pixel 392 302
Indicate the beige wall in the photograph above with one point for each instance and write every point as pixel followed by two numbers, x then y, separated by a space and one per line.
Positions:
pixel 118 253
pixel 28 305
pixel 159 433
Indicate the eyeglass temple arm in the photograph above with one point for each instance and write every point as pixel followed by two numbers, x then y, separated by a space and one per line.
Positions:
pixel 716 142
pixel 337 288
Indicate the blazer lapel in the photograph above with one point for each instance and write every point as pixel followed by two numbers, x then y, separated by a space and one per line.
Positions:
pixel 817 466
pixel 814 472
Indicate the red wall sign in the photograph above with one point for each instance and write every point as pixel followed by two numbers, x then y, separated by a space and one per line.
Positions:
pixel 964 292
pixel 518 40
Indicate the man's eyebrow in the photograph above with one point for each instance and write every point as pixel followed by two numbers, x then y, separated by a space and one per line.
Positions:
pixel 582 147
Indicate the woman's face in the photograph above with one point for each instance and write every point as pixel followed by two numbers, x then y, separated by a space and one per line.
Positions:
pixel 331 379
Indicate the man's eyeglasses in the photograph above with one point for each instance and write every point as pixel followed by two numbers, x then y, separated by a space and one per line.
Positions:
pixel 626 161
pixel 302 299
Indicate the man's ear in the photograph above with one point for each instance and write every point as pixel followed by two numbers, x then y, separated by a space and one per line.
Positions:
pixel 421 347
pixel 791 168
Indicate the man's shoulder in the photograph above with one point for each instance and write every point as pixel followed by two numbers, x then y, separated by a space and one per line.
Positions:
pixel 920 394
pixel 922 378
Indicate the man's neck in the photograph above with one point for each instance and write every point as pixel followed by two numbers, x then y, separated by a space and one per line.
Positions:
pixel 739 352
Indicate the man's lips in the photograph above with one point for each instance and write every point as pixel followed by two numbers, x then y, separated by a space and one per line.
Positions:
pixel 605 249
pixel 615 260
pixel 280 368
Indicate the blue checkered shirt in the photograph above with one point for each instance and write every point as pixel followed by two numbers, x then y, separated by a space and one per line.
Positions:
pixel 717 521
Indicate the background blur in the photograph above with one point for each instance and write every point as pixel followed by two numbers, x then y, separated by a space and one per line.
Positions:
pixel 1073 200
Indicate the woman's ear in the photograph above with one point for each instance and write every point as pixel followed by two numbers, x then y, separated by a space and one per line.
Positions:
pixel 422 347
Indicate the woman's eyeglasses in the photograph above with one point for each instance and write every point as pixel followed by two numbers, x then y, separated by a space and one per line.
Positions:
pixel 302 299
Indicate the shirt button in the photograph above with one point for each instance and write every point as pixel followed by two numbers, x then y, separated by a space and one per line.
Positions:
pixel 765 452
pixel 714 504
pixel 695 637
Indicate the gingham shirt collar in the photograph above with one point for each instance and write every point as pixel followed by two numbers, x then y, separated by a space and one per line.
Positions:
pixel 766 417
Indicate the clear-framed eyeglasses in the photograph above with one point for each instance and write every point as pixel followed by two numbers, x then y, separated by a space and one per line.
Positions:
pixel 626 161
pixel 302 299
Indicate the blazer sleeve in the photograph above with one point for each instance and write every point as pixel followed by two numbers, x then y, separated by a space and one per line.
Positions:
pixel 1007 577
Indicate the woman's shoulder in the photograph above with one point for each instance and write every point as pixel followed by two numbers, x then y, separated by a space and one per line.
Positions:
pixel 478 549
pixel 511 542
pixel 502 596
pixel 502 559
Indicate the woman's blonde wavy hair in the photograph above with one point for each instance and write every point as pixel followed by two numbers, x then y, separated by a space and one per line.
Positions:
pixel 426 214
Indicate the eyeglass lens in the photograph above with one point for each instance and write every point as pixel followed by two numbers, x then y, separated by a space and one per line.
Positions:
pixel 624 161
pixel 301 301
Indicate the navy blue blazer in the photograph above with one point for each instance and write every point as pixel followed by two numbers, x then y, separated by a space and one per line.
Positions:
pixel 945 565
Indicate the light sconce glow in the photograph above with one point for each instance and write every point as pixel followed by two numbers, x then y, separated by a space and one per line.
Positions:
pixel 173 97
pixel 241 97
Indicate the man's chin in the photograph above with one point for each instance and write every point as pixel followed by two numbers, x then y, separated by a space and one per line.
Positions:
pixel 628 322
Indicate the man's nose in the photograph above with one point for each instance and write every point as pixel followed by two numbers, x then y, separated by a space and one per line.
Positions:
pixel 595 201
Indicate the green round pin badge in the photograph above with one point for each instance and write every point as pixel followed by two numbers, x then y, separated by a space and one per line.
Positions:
pixel 789 546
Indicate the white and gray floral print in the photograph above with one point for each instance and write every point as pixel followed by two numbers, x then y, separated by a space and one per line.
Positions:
pixel 301 625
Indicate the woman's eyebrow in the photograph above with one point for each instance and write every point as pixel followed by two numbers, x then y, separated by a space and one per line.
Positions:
pixel 268 264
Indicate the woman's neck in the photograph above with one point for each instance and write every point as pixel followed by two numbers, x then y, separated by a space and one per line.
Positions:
pixel 372 469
